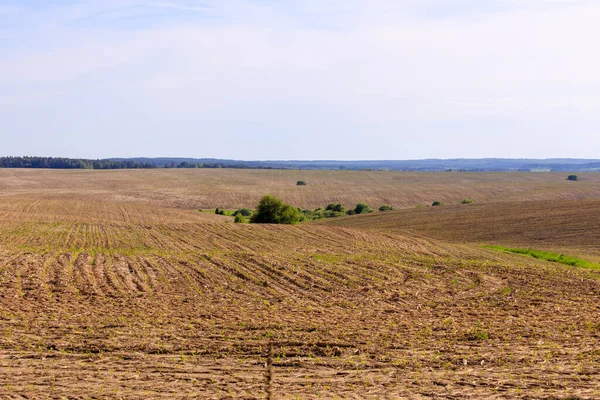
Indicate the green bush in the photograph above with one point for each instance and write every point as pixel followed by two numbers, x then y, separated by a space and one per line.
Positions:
pixel 572 178
pixel 240 219
pixel 362 208
pixel 386 207
pixel 217 211
pixel 466 201
pixel 437 203
pixel 310 215
pixel 319 213
pixel 289 215
pixel 301 183
pixel 271 210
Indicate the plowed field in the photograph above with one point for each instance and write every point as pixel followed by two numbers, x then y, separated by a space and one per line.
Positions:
pixel 175 311
pixel 564 226
pixel 232 188
pixel 102 298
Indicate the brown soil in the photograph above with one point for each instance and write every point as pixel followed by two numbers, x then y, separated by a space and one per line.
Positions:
pixel 116 288
pixel 233 188
pixel 179 312
pixel 570 226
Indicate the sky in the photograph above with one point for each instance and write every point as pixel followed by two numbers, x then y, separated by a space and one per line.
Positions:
pixel 300 79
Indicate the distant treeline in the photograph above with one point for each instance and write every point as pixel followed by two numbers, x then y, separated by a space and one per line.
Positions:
pixel 460 165
pixel 124 163
pixel 186 164
pixel 69 163
pixel 166 162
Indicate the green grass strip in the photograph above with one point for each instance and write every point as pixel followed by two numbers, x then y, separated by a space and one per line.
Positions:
pixel 548 256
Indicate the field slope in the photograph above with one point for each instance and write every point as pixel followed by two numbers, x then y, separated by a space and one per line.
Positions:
pixel 172 311
pixel 551 225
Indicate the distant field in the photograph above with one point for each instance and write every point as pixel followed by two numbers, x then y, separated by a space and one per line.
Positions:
pixel 542 224
pixel 232 188
pixel 44 210
pixel 114 285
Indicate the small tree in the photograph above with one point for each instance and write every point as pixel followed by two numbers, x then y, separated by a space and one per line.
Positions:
pixel 437 203
pixel 271 210
pixel 267 210
pixel 386 208
pixel 572 178
pixel 301 183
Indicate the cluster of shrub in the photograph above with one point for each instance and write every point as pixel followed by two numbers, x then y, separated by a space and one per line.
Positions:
pixel 438 203
pixel 337 210
pixel 242 212
pixel 271 210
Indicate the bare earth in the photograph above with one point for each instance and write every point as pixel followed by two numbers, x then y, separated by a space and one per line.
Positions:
pixel 112 285
pixel 233 188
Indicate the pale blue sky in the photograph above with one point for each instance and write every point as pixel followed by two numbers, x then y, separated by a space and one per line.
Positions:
pixel 300 79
